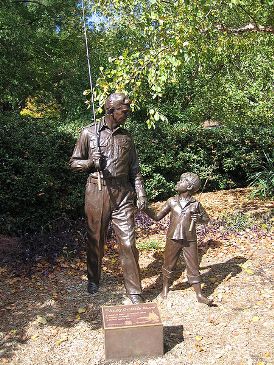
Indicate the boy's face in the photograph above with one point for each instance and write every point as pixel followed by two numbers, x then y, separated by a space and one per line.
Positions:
pixel 183 185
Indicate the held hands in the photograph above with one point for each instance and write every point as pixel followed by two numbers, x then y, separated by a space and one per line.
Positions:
pixel 141 202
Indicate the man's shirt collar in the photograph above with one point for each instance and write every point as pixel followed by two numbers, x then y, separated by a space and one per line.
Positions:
pixel 103 125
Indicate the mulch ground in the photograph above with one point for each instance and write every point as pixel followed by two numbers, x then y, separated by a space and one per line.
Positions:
pixel 49 318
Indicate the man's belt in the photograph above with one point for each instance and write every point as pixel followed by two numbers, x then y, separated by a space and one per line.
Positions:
pixel 110 180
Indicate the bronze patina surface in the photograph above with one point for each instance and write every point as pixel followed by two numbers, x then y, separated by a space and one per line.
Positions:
pixel 181 236
pixel 131 315
pixel 132 331
pixel 107 150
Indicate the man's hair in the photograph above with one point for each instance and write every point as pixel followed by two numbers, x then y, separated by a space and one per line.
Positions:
pixel 192 179
pixel 115 100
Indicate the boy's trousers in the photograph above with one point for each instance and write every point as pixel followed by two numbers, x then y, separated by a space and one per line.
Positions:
pixel 190 251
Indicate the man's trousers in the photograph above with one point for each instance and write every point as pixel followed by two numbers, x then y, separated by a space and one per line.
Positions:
pixel 115 203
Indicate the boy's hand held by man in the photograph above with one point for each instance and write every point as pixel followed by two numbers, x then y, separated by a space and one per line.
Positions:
pixel 142 203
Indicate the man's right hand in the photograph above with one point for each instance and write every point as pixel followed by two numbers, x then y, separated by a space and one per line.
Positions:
pixel 97 160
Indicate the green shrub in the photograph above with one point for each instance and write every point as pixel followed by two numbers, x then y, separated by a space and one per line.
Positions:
pixel 263 181
pixel 226 157
pixel 37 185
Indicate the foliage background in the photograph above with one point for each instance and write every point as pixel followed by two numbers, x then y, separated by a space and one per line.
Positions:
pixel 214 64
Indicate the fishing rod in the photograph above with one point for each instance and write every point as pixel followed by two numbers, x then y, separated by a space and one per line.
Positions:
pixel 97 131
pixel 192 220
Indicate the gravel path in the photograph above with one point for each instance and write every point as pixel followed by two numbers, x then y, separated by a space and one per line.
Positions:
pixel 51 319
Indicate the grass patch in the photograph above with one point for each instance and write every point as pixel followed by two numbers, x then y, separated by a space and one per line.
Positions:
pixel 150 245
pixel 240 221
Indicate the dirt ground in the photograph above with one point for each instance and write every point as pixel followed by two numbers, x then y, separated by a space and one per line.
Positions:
pixel 51 319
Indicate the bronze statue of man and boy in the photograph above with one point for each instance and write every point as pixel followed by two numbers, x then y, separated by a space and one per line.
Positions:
pixel 107 152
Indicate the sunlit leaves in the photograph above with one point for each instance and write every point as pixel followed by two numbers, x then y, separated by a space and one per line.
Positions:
pixel 164 44
pixel 42 51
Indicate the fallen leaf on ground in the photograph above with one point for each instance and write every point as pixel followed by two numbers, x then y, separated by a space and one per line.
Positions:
pixel 61 340
pixel 199 347
pixel 41 320
pixel 228 277
pixel 81 310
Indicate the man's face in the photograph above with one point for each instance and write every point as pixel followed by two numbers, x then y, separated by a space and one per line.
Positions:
pixel 120 114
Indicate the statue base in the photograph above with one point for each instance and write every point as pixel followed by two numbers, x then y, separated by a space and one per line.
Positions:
pixel 132 331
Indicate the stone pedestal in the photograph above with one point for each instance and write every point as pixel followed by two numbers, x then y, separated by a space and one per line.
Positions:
pixel 132 331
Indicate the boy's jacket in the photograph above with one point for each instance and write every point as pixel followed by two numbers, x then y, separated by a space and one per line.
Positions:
pixel 180 217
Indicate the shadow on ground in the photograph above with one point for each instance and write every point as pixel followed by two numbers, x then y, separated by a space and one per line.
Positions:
pixel 46 303
pixel 212 278
pixel 173 335
pixel 57 298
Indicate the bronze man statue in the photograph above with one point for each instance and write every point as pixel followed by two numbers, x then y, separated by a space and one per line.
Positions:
pixel 108 149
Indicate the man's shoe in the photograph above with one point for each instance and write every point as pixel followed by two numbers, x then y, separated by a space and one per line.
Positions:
pixel 136 298
pixel 92 287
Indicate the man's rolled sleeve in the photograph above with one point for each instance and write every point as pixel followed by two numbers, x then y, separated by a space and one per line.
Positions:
pixel 135 176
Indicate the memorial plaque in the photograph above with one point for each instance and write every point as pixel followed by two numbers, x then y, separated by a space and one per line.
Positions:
pixel 132 331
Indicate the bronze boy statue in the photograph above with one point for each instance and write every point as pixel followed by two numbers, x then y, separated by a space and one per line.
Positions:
pixel 181 234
